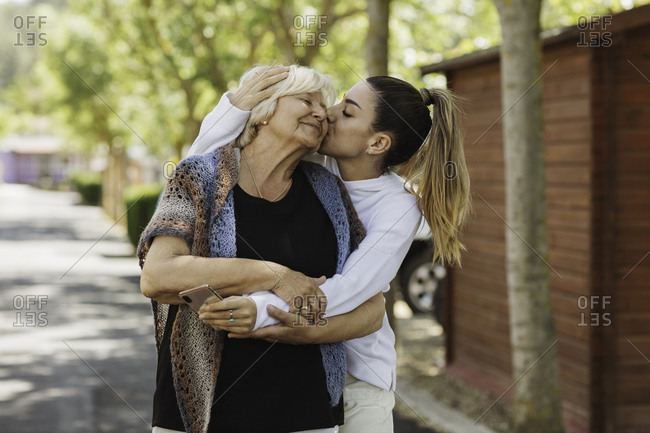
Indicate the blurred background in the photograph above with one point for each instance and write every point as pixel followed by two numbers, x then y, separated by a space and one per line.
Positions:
pixel 99 99
pixel 117 89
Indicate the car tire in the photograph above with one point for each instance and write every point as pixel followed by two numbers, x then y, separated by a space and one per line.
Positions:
pixel 422 284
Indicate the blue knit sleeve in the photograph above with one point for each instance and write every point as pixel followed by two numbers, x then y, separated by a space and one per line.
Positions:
pixel 182 204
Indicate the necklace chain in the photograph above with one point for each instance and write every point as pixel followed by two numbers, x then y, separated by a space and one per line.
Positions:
pixel 255 182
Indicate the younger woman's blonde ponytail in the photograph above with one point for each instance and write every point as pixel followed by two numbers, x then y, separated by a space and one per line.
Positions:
pixel 439 178
pixel 430 145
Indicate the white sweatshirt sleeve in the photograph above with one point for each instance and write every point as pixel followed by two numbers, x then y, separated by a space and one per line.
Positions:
pixel 371 267
pixel 221 126
pixel 262 299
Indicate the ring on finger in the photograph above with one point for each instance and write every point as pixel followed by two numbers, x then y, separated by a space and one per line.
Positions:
pixel 231 318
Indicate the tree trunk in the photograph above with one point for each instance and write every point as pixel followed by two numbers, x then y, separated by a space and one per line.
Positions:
pixel 114 182
pixel 537 403
pixel 377 64
pixel 377 41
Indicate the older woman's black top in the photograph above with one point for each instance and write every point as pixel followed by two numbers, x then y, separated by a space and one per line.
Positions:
pixel 266 387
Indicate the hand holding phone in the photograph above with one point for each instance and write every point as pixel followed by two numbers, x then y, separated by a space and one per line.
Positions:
pixel 199 295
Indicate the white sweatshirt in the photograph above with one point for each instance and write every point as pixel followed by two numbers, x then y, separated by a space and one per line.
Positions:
pixel 391 217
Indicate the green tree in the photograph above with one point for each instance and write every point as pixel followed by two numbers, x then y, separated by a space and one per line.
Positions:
pixel 179 58
pixel 168 62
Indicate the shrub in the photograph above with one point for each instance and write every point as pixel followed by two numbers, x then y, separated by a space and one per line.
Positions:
pixel 89 187
pixel 140 201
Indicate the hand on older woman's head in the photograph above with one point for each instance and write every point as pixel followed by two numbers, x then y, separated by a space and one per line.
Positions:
pixel 255 88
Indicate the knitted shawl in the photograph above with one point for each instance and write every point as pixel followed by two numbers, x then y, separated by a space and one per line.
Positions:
pixel 197 205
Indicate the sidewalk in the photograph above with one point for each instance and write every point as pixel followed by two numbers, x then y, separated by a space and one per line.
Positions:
pixel 420 360
pixel 77 336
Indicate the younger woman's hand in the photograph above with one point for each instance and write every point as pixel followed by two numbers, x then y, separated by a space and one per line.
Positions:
pixel 233 314
pixel 255 89
pixel 301 292
pixel 292 329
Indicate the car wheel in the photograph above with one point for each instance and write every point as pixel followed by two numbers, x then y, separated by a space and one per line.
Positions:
pixel 422 284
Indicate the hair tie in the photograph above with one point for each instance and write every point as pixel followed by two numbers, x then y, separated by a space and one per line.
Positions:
pixel 426 96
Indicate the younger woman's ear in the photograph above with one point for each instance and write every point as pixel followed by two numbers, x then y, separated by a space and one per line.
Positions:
pixel 379 144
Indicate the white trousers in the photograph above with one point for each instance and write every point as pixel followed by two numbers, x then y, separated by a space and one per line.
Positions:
pixel 368 409
pixel 320 430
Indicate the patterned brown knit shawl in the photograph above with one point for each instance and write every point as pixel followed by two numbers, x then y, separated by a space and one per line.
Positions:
pixel 197 207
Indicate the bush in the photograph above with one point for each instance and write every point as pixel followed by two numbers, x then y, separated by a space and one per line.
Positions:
pixel 140 201
pixel 89 187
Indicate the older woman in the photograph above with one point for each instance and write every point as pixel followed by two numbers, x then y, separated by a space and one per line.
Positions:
pixel 213 215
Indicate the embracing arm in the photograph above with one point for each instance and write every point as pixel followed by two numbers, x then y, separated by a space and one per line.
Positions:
pixel 294 329
pixel 169 266
pixel 170 269
pixel 371 267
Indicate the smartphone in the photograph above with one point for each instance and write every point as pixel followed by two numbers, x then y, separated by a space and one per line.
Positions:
pixel 197 296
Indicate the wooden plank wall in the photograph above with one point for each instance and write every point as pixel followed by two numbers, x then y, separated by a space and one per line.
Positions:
pixel 479 318
pixel 479 298
pixel 569 160
pixel 627 114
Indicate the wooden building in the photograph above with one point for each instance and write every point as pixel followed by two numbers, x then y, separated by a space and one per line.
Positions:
pixel 596 107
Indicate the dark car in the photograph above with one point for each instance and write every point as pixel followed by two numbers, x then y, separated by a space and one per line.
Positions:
pixel 421 281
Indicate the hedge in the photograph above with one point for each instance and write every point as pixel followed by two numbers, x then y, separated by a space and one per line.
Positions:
pixel 140 201
pixel 89 187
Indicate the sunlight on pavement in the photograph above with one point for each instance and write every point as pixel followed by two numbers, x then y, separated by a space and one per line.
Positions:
pixel 9 388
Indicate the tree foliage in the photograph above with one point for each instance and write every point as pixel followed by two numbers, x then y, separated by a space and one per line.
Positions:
pixel 145 72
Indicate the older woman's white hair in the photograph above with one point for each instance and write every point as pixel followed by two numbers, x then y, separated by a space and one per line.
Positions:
pixel 301 79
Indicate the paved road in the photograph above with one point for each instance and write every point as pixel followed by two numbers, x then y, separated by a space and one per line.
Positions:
pixel 76 335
